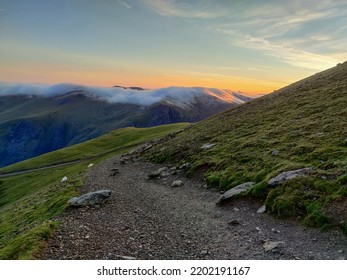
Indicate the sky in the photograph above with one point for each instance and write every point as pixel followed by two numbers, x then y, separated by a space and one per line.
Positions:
pixel 242 45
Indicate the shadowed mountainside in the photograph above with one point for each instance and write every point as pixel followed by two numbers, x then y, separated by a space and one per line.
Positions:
pixel 31 125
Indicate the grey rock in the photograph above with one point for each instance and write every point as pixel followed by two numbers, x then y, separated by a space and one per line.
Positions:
pixel 235 191
pixel 186 165
pixel 177 183
pixel 270 245
pixel 115 171
pixel 207 146
pixel 64 179
pixel 261 210
pixel 340 251
pixel 234 222
pixel 90 199
pixel 285 176
pixel 275 152
pixel 159 172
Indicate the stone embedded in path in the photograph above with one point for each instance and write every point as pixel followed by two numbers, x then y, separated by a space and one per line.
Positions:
pixel 235 191
pixel 90 199
pixel 161 172
pixel 234 222
pixel 270 245
pixel 261 210
pixel 285 176
pixel 115 171
pixel 177 183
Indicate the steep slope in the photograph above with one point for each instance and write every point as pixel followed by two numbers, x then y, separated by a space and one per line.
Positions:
pixel 301 125
pixel 34 121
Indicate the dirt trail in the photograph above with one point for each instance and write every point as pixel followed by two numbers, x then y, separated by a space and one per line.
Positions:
pixel 149 219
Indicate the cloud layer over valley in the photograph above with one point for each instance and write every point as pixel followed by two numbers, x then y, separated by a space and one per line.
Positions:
pixel 123 95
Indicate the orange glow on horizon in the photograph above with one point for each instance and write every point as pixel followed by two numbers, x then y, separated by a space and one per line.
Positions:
pixel 153 80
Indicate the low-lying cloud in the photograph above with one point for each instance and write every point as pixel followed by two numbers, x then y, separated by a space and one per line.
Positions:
pixel 121 95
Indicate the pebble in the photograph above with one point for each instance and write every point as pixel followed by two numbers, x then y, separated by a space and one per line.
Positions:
pixel 177 183
pixel 261 210
pixel 234 222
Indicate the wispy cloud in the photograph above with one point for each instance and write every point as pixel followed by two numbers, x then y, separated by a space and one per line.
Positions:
pixel 125 4
pixel 304 35
pixel 185 9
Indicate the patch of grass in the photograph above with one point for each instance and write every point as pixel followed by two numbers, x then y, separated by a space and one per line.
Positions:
pixel 29 202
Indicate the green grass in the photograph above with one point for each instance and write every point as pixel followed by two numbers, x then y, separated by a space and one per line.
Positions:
pixel 306 122
pixel 29 202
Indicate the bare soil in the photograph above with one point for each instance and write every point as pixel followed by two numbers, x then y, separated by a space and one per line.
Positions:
pixel 149 219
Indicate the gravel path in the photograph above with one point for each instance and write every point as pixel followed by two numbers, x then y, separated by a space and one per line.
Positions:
pixel 149 219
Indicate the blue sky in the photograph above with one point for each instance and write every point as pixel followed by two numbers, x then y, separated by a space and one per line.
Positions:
pixel 252 46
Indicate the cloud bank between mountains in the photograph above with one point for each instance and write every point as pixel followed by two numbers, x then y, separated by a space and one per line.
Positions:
pixel 121 95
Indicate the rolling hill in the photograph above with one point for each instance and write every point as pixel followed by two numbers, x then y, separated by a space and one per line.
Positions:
pixel 36 119
pixel 301 125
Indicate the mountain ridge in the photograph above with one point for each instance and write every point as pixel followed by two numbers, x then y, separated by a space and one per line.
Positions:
pixel 33 124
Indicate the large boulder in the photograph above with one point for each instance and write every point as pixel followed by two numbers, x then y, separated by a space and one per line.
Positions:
pixel 90 199
pixel 235 191
pixel 285 176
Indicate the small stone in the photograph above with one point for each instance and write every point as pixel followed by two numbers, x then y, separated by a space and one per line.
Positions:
pixel 236 209
pixel 275 230
pixel 261 210
pixel 275 152
pixel 207 146
pixel 204 252
pixel 177 183
pixel 234 222
pixel 87 236
pixel 90 165
pixel 186 165
pixel 64 179
pixel 125 257
pixel 340 251
pixel 159 172
pixel 269 245
pixel 258 228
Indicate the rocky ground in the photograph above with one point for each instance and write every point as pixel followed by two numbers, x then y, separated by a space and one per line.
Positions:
pixel 150 219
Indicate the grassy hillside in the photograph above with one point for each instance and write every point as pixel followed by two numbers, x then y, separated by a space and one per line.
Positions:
pixel 29 201
pixel 304 124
